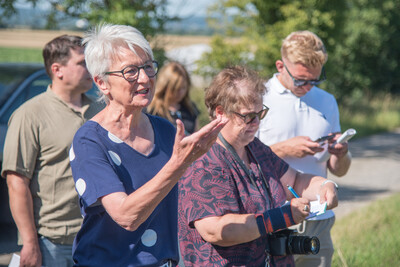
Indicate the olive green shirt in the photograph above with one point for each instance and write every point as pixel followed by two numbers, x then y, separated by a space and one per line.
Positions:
pixel 37 144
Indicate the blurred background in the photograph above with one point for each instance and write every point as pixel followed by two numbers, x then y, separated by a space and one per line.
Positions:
pixel 362 38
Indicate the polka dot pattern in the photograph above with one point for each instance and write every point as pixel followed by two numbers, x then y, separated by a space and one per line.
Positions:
pixel 71 154
pixel 80 186
pixel 114 138
pixel 149 238
pixel 115 158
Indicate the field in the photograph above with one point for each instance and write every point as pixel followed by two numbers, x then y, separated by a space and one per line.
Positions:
pixel 25 38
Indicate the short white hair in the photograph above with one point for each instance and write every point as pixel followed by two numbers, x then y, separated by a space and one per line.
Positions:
pixel 102 43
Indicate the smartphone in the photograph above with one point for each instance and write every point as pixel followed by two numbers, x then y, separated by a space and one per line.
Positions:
pixel 346 136
pixel 325 138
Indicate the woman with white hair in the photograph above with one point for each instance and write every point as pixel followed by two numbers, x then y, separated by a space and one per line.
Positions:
pixel 126 163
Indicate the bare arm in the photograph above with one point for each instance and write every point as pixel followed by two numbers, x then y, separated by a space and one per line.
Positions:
pixel 299 147
pixel 130 211
pixel 309 186
pixel 228 230
pixel 340 160
pixel 233 229
pixel 21 206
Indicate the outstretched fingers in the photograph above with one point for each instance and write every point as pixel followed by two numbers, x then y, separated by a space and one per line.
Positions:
pixel 180 131
pixel 206 136
pixel 213 128
pixel 189 148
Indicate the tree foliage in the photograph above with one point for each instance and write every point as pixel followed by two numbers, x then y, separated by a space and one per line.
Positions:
pixel 361 36
pixel 367 60
pixel 149 16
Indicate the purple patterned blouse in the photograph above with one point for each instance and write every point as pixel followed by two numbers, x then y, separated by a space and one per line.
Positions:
pixel 215 185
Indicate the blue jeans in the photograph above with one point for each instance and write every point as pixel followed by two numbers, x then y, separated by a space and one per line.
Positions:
pixel 55 255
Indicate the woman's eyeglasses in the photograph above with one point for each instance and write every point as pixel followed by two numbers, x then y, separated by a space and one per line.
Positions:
pixel 131 72
pixel 250 117
pixel 299 83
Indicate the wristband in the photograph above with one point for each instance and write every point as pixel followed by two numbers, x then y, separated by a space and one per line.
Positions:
pixel 274 219
pixel 330 181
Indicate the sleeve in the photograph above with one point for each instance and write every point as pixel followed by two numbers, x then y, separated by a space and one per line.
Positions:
pixel 92 170
pixel 280 166
pixel 207 189
pixel 335 121
pixel 268 158
pixel 21 145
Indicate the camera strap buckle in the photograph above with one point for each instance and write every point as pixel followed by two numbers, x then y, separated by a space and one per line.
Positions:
pixel 267 259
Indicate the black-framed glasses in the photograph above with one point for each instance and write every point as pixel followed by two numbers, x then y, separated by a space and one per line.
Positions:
pixel 250 117
pixel 131 72
pixel 299 83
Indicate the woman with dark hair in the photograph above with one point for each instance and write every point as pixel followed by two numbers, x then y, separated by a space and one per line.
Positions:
pixel 172 99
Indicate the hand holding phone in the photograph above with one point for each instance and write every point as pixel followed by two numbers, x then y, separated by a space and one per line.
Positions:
pixel 346 136
pixel 324 138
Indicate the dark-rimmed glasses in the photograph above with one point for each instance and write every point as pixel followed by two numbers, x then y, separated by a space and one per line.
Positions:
pixel 299 83
pixel 131 72
pixel 250 117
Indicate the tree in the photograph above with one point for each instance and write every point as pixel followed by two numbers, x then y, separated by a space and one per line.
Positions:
pixel 149 16
pixel 262 25
pixel 362 38
pixel 367 59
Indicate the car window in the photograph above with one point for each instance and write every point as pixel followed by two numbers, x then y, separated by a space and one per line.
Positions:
pixel 36 87
pixel 10 77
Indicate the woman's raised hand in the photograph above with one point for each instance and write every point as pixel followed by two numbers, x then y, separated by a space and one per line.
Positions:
pixel 188 148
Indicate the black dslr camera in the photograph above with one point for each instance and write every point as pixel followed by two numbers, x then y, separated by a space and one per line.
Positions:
pixel 286 242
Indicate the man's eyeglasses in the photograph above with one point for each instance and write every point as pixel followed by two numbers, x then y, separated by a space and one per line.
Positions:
pixel 131 72
pixel 299 83
pixel 250 117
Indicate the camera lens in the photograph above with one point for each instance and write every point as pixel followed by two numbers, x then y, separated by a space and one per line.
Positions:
pixel 312 245
pixel 304 245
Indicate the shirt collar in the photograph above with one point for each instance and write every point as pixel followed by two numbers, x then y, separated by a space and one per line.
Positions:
pixel 86 101
pixel 277 86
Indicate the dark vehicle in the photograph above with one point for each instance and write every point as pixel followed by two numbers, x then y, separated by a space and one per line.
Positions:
pixel 18 83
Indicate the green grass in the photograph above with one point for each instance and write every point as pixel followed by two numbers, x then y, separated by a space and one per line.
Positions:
pixel 9 54
pixel 370 236
pixel 368 116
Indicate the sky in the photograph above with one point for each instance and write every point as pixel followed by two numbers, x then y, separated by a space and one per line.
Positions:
pixel 180 8
pixel 189 7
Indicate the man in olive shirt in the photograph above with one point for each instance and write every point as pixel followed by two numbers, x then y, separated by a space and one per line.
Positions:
pixel 43 200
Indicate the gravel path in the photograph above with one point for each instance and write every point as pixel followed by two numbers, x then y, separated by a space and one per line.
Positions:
pixel 374 172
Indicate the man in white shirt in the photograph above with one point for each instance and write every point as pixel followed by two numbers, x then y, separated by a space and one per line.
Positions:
pixel 300 112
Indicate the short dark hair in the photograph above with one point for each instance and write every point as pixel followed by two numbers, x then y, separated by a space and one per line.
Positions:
pixel 59 50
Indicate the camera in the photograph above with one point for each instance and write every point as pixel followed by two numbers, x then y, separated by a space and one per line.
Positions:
pixel 286 242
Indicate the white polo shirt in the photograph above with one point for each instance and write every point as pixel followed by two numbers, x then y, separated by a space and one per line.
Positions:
pixel 314 115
